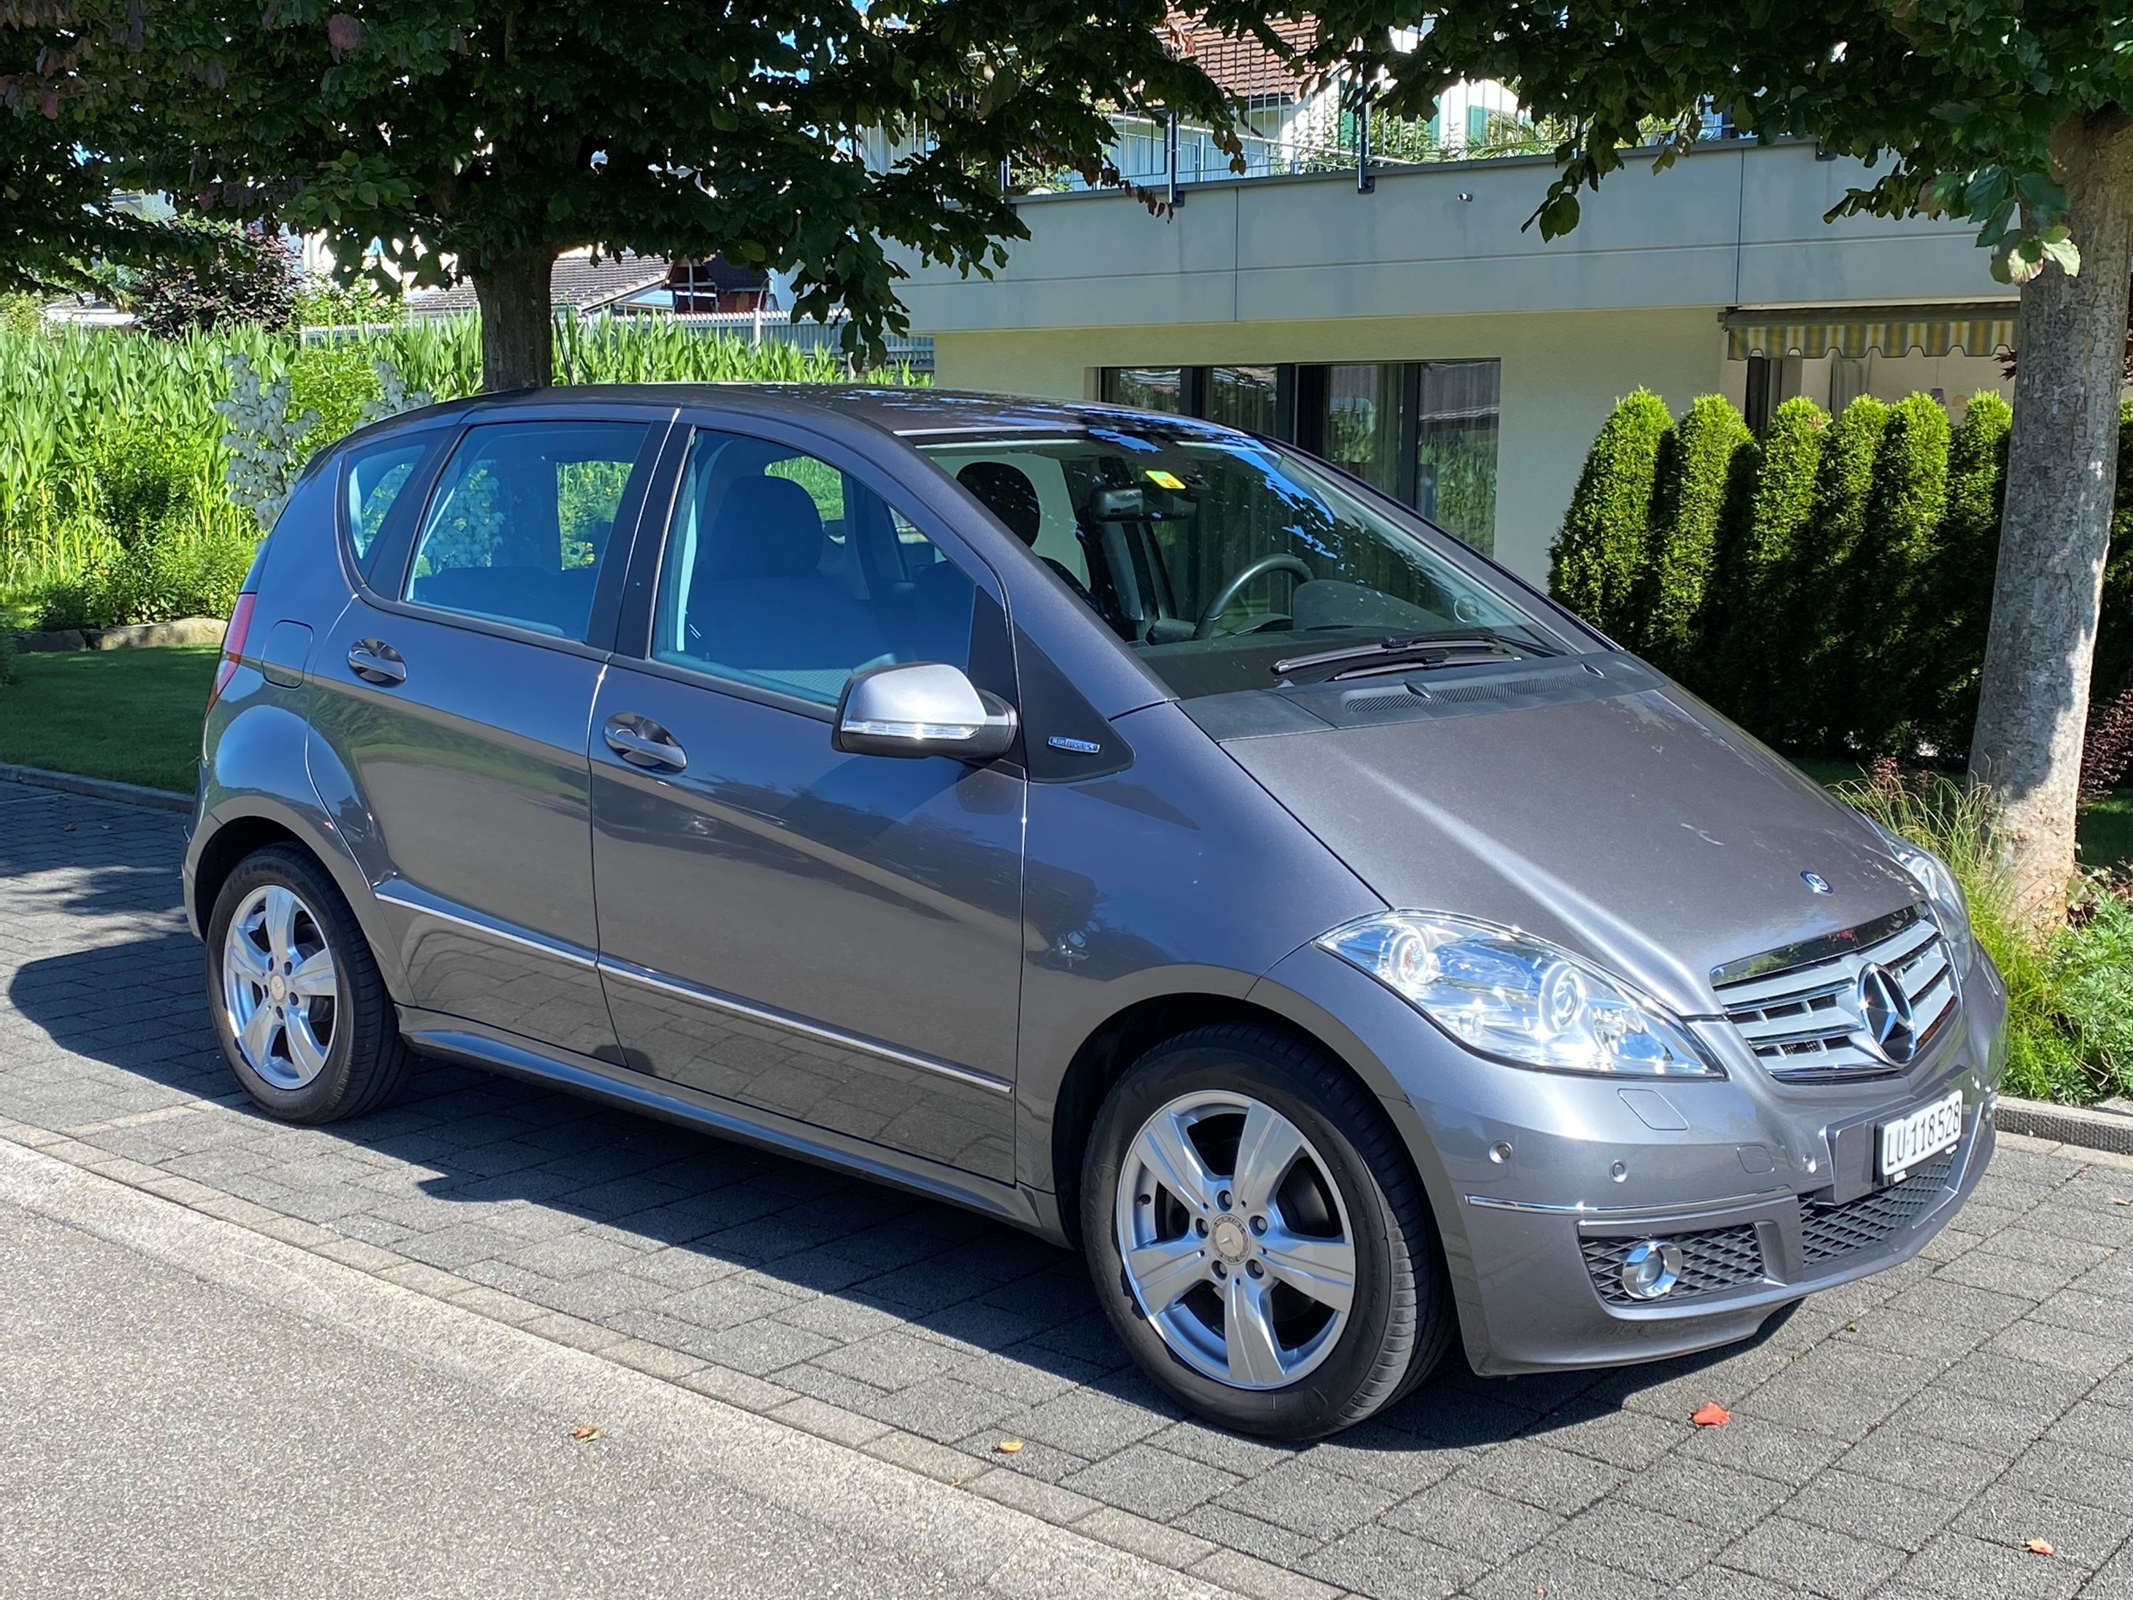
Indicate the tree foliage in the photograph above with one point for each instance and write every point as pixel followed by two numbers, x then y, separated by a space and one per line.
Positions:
pixel 1599 556
pixel 483 137
pixel 1957 99
pixel 66 76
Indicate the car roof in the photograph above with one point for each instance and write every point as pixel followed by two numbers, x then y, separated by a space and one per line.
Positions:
pixel 913 412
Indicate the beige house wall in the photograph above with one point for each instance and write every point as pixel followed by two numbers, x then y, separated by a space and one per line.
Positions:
pixel 1562 372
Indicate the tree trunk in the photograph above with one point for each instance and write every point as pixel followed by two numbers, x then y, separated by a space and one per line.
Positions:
pixel 2061 468
pixel 517 326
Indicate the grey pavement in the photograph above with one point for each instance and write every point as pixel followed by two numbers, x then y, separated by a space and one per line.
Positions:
pixel 192 1410
pixel 1901 1437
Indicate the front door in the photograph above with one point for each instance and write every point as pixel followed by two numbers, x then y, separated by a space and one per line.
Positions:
pixel 832 938
pixel 456 693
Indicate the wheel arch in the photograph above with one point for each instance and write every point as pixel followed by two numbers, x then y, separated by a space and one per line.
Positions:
pixel 1130 1032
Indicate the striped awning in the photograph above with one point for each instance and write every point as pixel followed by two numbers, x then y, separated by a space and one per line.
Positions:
pixel 1982 328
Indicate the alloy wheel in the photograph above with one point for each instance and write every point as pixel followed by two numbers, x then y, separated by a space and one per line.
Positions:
pixel 1236 1242
pixel 280 991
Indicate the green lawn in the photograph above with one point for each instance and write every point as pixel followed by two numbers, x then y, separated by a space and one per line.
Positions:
pixel 133 715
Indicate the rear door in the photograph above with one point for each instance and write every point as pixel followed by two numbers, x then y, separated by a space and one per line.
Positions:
pixel 456 691
pixel 832 938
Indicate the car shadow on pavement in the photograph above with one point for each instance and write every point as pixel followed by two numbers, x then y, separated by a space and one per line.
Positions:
pixel 904 1309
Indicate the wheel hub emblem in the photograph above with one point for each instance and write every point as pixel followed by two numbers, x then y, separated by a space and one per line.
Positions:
pixel 1229 1240
pixel 278 987
pixel 1886 1011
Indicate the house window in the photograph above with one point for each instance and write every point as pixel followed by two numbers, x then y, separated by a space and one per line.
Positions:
pixel 1146 388
pixel 1244 397
pixel 1424 432
pixel 1455 448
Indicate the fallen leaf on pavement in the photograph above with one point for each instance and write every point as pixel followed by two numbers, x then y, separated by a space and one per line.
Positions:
pixel 1711 1415
pixel 585 1430
pixel 2039 1547
pixel 1008 1447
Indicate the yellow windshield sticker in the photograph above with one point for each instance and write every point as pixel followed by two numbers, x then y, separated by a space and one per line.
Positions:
pixel 1165 480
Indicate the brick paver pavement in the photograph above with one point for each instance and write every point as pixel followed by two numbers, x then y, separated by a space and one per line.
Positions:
pixel 1902 1437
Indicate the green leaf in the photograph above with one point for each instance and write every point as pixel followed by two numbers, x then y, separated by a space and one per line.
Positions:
pixel 2061 250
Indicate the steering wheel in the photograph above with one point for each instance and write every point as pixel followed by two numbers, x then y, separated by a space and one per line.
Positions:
pixel 1227 594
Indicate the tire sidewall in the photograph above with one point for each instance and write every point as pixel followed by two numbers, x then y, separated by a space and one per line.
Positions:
pixel 1323 1400
pixel 319 1097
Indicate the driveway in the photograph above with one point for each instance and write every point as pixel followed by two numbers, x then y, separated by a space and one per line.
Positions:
pixel 1906 1436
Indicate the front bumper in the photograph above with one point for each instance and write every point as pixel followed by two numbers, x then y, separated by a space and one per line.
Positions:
pixel 1540 1180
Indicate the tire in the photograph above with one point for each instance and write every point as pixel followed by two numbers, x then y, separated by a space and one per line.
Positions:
pixel 1303 1366
pixel 299 1059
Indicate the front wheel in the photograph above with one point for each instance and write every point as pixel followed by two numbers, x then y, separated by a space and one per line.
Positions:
pixel 300 1010
pixel 1258 1237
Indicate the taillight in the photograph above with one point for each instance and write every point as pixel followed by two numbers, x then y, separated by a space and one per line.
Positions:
pixel 233 638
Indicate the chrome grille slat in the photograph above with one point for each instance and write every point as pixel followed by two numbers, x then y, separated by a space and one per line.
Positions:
pixel 1803 1022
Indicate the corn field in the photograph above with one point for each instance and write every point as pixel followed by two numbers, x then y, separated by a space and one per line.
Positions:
pixel 73 402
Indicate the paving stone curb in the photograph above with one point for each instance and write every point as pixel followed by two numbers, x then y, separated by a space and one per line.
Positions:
pixel 2090 1127
pixel 1093 1520
pixel 132 794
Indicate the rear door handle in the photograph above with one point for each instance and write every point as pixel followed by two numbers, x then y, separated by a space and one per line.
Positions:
pixel 375 661
pixel 644 743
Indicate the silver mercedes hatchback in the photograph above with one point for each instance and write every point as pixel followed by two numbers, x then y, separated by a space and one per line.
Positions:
pixel 1127 827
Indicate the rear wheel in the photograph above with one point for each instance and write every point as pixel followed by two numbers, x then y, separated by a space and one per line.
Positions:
pixel 300 1010
pixel 1258 1237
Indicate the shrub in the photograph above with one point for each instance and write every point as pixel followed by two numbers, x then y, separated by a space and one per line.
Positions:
pixel 1961 586
pixel 1749 614
pixel 231 273
pixel 1890 567
pixel 21 314
pixel 7 647
pixel 1599 556
pixel 1812 695
pixel 1696 483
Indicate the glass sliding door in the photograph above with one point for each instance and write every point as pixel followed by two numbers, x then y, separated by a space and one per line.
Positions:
pixel 1455 449
pixel 1363 421
pixel 1245 397
pixel 1146 388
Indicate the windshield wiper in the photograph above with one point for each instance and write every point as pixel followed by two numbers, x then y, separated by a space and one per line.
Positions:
pixel 1425 649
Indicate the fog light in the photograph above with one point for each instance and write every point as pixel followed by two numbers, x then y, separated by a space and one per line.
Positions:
pixel 1651 1269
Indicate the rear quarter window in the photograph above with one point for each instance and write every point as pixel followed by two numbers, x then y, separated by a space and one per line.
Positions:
pixel 371 481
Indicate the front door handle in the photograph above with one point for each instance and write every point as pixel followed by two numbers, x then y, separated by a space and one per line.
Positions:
pixel 644 743
pixel 375 661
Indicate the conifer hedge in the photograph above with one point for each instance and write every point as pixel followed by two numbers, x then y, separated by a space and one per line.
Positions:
pixel 1828 584
pixel 1749 619
pixel 1694 482
pixel 1600 557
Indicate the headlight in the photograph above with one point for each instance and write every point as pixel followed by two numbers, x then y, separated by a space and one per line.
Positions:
pixel 1951 912
pixel 1513 997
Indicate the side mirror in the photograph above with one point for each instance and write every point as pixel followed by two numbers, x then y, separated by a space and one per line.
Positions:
pixel 923 708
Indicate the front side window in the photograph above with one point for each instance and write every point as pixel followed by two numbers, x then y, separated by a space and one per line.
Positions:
pixel 371 481
pixel 1215 557
pixel 521 520
pixel 784 573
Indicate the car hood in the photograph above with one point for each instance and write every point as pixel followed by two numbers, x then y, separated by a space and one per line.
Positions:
pixel 1621 818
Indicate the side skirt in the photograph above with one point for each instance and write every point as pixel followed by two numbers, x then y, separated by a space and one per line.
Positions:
pixel 456 1039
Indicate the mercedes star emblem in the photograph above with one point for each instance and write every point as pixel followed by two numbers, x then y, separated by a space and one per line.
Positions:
pixel 1816 882
pixel 1886 1011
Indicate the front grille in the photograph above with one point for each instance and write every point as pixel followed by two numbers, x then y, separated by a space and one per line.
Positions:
pixel 1828 1230
pixel 1799 1010
pixel 1711 1259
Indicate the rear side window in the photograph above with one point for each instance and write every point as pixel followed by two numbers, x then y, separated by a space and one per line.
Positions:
pixel 521 520
pixel 371 481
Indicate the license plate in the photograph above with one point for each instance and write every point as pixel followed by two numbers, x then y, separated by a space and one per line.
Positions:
pixel 1925 1132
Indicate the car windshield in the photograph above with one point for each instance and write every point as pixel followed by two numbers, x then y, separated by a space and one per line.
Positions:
pixel 1216 556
